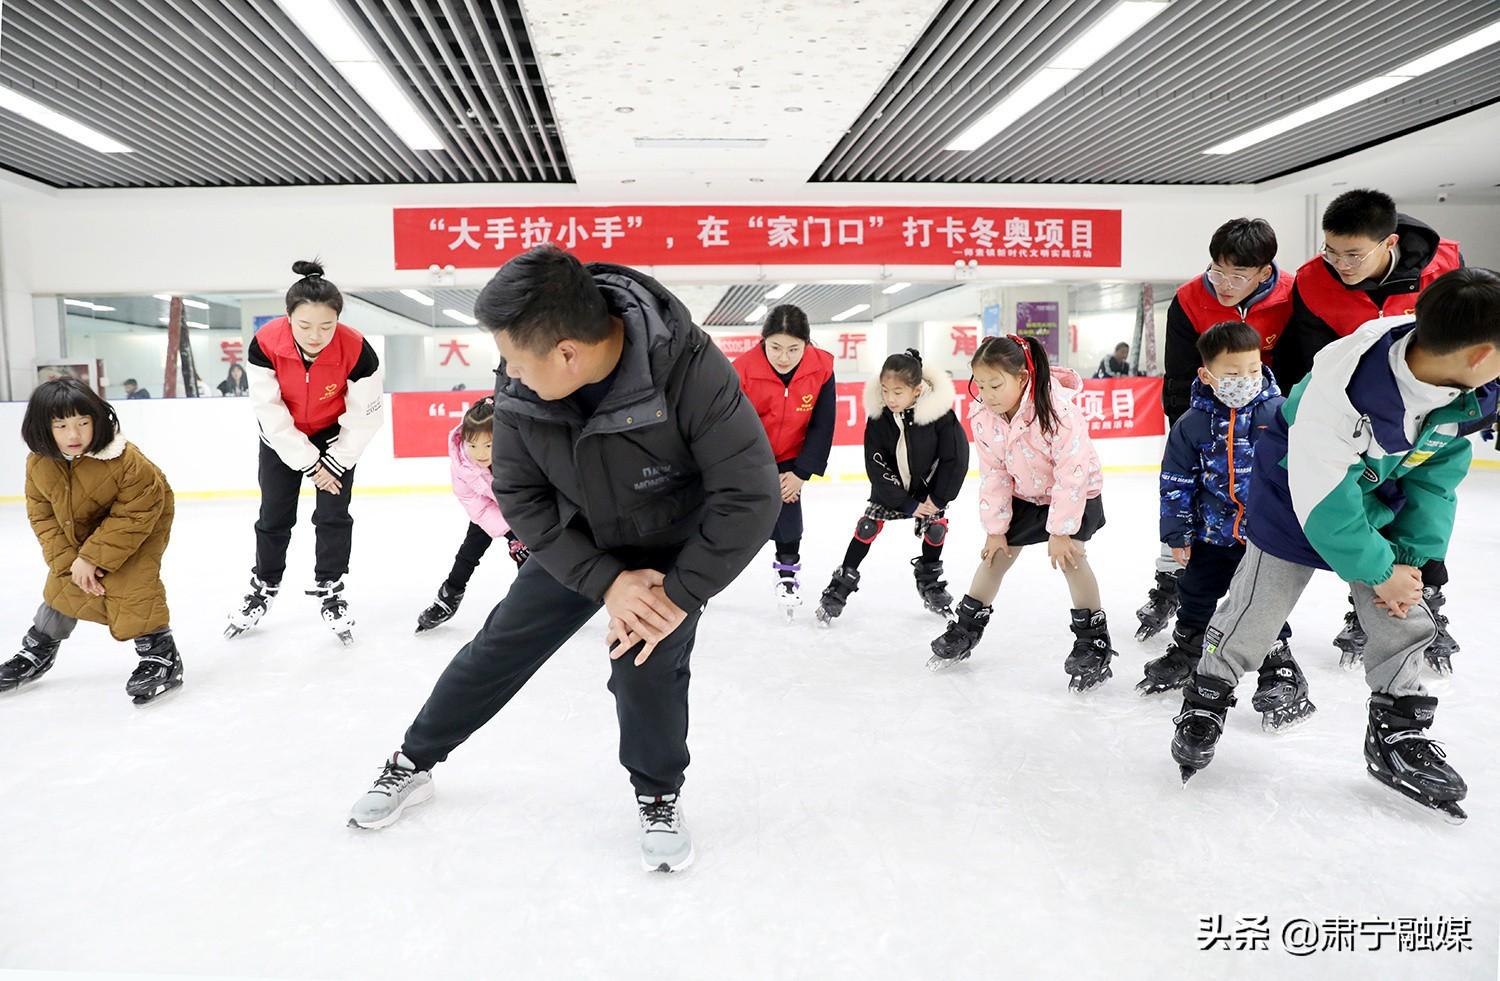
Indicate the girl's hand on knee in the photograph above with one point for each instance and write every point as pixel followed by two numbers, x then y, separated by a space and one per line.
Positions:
pixel 85 576
pixel 1063 552
pixel 995 545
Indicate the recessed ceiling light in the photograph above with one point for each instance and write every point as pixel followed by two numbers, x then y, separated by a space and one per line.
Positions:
pixel 200 326
pixel 419 296
pixel 697 143
pixel 753 317
pixel 895 288
pixel 780 291
pixel 462 318
pixel 846 314
pixel 58 123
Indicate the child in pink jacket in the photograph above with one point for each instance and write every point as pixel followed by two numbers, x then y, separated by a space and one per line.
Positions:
pixel 1040 482
pixel 469 463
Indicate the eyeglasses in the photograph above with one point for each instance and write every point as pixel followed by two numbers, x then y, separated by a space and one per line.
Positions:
pixel 1346 261
pixel 1232 280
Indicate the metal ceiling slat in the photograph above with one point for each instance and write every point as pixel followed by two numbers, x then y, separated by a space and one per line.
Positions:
pixel 473 111
pixel 28 138
pixel 403 51
pixel 496 63
pixel 171 161
pixel 513 45
pixel 948 107
pixel 336 92
pixel 295 119
pixel 477 152
pixel 525 159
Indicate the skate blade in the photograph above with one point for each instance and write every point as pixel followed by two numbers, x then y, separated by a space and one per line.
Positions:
pixel 346 638
pixel 1150 689
pixel 1186 772
pixel 1443 668
pixel 1080 685
pixel 936 663
pixel 231 631
pixel 1449 811
pixel 1146 631
pixel 1351 662
pixel 151 699
pixel 1271 722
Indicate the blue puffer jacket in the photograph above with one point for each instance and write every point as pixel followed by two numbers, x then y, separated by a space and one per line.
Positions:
pixel 1205 472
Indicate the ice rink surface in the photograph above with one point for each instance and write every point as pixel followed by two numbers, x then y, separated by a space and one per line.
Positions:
pixel 855 815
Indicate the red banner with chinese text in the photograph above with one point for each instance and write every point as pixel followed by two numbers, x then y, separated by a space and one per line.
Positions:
pixel 1114 407
pixel 651 235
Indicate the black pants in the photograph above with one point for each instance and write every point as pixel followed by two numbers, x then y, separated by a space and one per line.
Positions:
pixel 1205 581
pixel 475 544
pixel 524 629
pixel 332 523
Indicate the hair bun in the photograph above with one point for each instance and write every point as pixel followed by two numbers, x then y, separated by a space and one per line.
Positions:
pixel 914 354
pixel 307 269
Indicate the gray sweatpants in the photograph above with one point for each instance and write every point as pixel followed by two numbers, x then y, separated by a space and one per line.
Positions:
pixel 58 626
pixel 1261 597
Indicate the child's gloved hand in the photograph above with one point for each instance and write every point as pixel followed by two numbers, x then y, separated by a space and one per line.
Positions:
pixel 519 553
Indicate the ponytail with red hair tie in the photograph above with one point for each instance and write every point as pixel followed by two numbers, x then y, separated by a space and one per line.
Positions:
pixel 1025 350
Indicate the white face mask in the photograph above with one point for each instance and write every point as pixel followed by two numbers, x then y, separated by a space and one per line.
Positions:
pixel 1239 390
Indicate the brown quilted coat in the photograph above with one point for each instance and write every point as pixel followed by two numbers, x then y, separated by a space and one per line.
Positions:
pixel 115 509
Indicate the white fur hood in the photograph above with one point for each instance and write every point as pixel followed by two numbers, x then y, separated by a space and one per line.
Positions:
pixel 112 450
pixel 936 398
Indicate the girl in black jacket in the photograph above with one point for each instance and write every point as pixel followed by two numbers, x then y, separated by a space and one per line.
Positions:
pixel 916 455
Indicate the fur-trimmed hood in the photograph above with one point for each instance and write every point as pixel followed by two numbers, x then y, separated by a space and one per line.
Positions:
pixel 935 400
pixel 112 449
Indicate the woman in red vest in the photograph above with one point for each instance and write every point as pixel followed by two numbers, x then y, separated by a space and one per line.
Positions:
pixel 791 385
pixel 316 388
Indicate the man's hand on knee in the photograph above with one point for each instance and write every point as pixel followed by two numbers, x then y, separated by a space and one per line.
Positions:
pixel 639 613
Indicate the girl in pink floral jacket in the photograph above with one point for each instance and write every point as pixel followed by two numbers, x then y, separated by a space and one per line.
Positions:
pixel 1040 483
pixel 469 463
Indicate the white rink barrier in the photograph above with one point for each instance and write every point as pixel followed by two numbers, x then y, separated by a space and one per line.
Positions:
pixel 208 448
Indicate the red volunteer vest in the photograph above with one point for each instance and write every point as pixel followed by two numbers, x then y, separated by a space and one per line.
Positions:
pixel 785 410
pixel 1346 310
pixel 314 394
pixel 1267 318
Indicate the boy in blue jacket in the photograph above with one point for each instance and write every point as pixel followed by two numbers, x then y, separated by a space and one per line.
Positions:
pixel 1359 475
pixel 1205 489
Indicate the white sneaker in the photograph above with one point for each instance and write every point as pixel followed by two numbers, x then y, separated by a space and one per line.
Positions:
pixel 399 786
pixel 666 845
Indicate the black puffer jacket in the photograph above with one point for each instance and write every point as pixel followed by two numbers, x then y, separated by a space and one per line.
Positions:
pixel 937 450
pixel 672 472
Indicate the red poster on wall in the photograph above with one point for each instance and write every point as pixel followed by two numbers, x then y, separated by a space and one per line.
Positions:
pixel 1114 407
pixel 650 235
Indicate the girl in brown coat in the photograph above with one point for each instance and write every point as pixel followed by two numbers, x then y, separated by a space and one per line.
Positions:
pixel 102 513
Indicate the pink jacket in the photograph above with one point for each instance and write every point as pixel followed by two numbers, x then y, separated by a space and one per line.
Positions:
pixel 1060 471
pixel 471 485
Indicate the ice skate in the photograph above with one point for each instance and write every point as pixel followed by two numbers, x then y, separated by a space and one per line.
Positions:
pixel 932 587
pixel 335 609
pixel 1162 602
pixel 35 658
pixel 252 607
pixel 844 583
pixel 1088 662
pixel 788 588
pixel 1281 696
pixel 441 610
pixel 1174 668
pixel 1440 652
pixel 1205 704
pixel 159 670
pixel 1399 755
pixel 1351 641
pixel 962 635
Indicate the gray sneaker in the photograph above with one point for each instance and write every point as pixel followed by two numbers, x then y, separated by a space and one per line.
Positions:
pixel 666 845
pixel 399 786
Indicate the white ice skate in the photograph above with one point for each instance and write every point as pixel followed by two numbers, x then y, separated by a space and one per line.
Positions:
pixel 335 609
pixel 788 597
pixel 254 606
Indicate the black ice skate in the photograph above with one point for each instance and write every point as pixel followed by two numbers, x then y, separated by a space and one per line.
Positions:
pixel 159 670
pixel 962 635
pixel 1440 652
pixel 441 610
pixel 1088 662
pixel 1162 602
pixel 1399 755
pixel 932 587
pixel 35 658
pixel 1351 640
pixel 1205 703
pixel 335 609
pixel 845 582
pixel 252 607
pixel 1281 697
pixel 1173 669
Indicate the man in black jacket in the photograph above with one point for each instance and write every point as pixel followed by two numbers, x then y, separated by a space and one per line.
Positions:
pixel 628 460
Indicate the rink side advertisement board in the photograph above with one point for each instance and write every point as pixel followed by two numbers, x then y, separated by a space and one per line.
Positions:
pixel 691 235
pixel 1113 407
